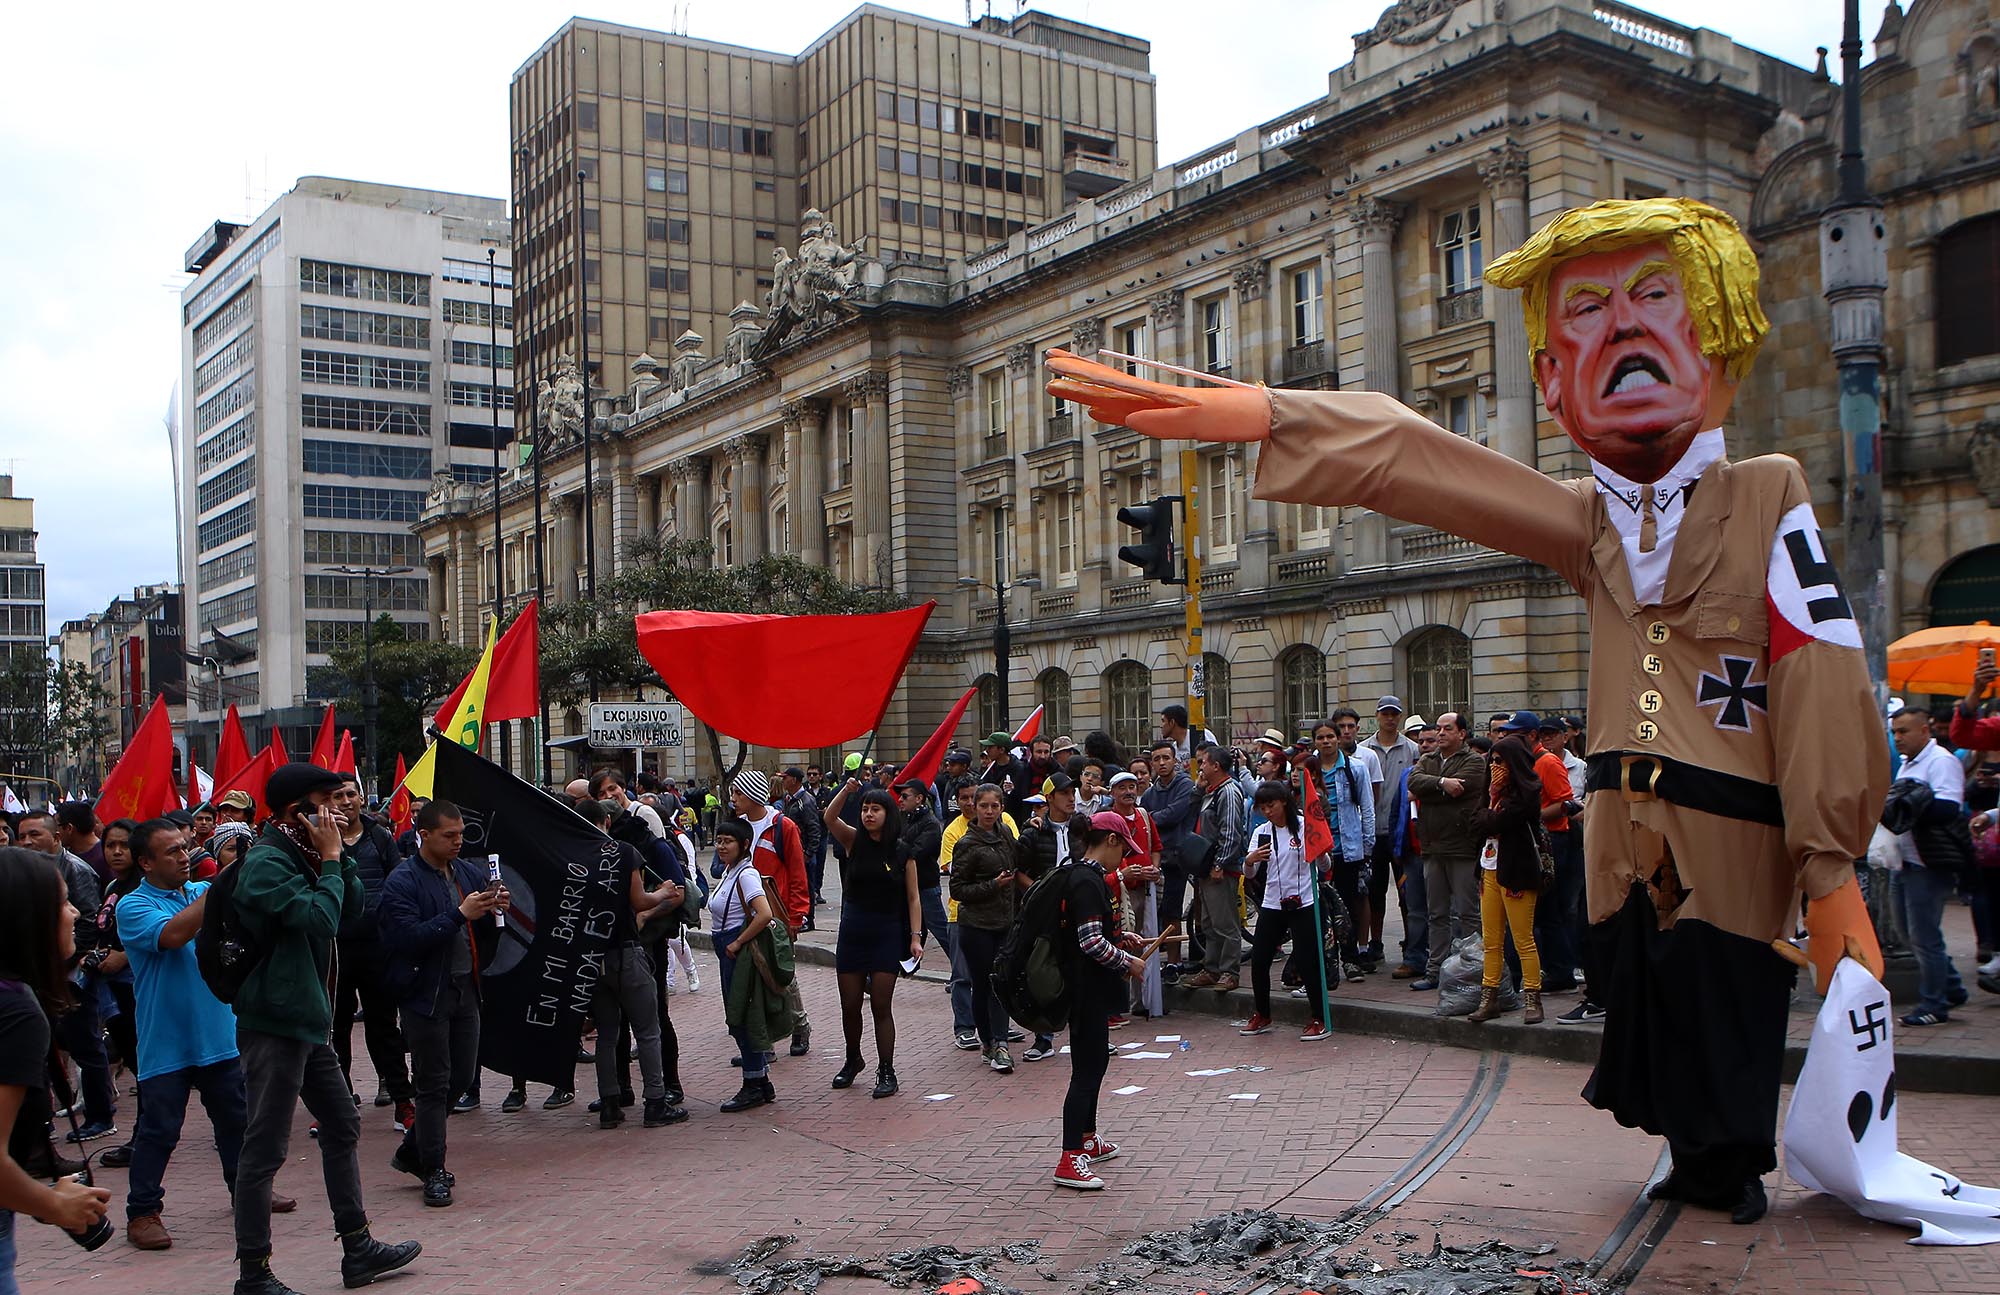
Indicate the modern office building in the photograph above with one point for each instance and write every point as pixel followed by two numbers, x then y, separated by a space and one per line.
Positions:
pixel 133 650
pixel 697 159
pixel 23 579
pixel 341 355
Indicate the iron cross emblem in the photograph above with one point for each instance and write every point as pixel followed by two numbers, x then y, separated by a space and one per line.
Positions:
pixel 1732 693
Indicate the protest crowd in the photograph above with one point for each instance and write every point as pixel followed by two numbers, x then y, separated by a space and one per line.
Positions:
pixel 1178 864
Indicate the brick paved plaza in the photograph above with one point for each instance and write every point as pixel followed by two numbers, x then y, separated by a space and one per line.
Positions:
pixel 546 1202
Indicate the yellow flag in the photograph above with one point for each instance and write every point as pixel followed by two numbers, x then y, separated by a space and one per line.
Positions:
pixel 467 722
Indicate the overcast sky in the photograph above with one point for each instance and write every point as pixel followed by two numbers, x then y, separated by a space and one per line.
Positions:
pixel 188 113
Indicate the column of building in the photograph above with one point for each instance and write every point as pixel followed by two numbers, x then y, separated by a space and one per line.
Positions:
pixel 746 494
pixel 1505 171
pixel 1026 431
pixel 1255 358
pixel 1376 220
pixel 870 484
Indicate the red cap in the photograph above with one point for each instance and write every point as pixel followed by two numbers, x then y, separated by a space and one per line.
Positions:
pixel 1111 821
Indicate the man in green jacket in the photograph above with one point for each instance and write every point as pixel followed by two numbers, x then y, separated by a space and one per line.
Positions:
pixel 296 885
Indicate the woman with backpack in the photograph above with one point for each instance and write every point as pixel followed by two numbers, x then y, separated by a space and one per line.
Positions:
pixel 1287 909
pixel 982 881
pixel 1510 871
pixel 740 910
pixel 881 925
pixel 1097 988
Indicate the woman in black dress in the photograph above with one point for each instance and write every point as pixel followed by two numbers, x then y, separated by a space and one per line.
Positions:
pixel 881 924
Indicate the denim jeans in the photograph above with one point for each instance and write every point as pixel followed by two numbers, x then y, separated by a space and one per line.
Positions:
pixel 163 1108
pixel 1416 915
pixel 444 1057
pixel 629 990
pixel 278 1073
pixel 935 924
pixel 1925 893
pixel 756 1064
pixel 81 1034
pixel 7 1285
pixel 1558 923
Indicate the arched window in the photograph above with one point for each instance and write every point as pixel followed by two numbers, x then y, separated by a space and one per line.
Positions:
pixel 1128 703
pixel 988 704
pixel 1215 688
pixel 1440 673
pixel 1052 691
pixel 723 556
pixel 1968 290
pixel 1301 688
pixel 1967 590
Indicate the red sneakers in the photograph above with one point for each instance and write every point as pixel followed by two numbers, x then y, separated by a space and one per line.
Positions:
pixel 1314 1033
pixel 1118 1022
pixel 1073 1170
pixel 1098 1149
pixel 406 1114
pixel 1257 1024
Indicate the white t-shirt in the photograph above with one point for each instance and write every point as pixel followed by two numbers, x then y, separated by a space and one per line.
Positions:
pixel 1369 760
pixel 734 894
pixel 1286 871
pixel 650 817
pixel 1946 777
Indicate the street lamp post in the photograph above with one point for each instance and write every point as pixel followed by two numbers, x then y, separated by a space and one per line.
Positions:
pixel 1002 633
pixel 369 575
pixel 493 372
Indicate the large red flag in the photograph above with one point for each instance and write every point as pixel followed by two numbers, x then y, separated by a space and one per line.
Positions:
pixel 141 785
pixel 1319 830
pixel 277 747
pixel 343 754
pixel 514 686
pixel 328 742
pixel 765 679
pixel 1030 726
pixel 251 778
pixel 923 766
pixel 232 751
pixel 401 809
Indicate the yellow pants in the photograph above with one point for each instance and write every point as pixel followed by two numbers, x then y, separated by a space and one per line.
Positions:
pixel 1501 911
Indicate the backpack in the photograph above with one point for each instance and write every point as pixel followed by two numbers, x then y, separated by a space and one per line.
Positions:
pixel 224 950
pixel 1033 972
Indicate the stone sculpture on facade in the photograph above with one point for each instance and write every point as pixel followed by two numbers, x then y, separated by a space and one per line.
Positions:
pixel 811 289
pixel 559 407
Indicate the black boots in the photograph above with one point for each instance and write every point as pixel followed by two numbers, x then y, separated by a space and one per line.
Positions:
pixel 256 1278
pixel 660 1112
pixel 363 1258
pixel 885 1082
pixel 754 1093
pixel 851 1068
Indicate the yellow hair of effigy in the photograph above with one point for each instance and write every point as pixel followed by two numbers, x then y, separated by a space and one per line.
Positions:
pixel 1717 268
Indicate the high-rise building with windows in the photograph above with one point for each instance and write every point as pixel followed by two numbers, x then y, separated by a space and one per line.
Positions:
pixel 341 354
pixel 23 579
pixel 697 159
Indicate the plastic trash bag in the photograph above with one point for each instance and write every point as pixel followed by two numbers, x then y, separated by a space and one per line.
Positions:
pixel 1458 980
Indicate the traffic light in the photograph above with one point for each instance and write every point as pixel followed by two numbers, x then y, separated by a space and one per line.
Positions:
pixel 1154 553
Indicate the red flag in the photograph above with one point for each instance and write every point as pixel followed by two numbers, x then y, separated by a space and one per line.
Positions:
pixel 763 679
pixel 252 777
pixel 343 754
pixel 232 752
pixel 923 766
pixel 277 747
pixel 141 785
pixel 327 743
pixel 400 807
pixel 514 686
pixel 1029 727
pixel 1319 831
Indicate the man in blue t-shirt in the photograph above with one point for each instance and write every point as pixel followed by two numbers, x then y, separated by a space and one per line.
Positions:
pixel 187 1038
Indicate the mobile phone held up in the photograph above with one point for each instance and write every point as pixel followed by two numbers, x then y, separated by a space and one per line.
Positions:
pixel 493 884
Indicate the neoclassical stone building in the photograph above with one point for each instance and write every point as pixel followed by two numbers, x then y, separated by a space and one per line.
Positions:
pixel 909 444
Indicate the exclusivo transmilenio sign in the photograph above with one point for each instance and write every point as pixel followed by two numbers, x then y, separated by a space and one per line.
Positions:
pixel 623 725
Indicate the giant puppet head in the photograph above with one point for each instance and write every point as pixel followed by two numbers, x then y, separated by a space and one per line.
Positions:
pixel 1642 317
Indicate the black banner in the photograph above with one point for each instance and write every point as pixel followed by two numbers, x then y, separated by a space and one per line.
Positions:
pixel 566 883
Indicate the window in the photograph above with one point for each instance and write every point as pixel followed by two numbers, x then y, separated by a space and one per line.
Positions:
pixel 586 115
pixel 885 108
pixel 226 485
pixel 697 133
pixel 347 414
pixel 659 328
pixel 1058 522
pixel 992 715
pixel 477 313
pixel 226 362
pixel 361 548
pixel 390 593
pixel 365 283
pixel 723 551
pixel 1458 415
pixel 993 401
pixel 1220 478
pixel 1215 691
pixel 360 459
pixel 1968 290
pixel 656 277
pixel 677 280
pixel 482 354
pixel 587 168
pixel 237 521
pixel 1128 704
pixel 1132 341
pixel 456 271
pixel 1308 323
pixel 1052 694
pixel 222 322
pixel 230 608
pixel 233 565
pixel 1312 525
pixel 1301 689
pixel 1000 543
pixel 1461 259
pixel 656 126
pixel 362 503
pixel 677 231
pixel 592 270
pixel 1215 334
pixel 326 323
pixel 656 229
pixel 1440 663
pixel 656 179
pixel 225 404
pixel 480 395
pixel 677 182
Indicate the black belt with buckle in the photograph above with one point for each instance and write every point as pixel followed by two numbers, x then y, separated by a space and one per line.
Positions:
pixel 1642 775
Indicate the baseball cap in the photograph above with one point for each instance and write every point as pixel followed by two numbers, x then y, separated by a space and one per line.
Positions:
pixel 1524 721
pixel 1553 724
pixel 1123 776
pixel 958 755
pixel 1391 702
pixel 294 782
pixel 911 784
pixel 997 738
pixel 237 799
pixel 1056 782
pixel 1110 821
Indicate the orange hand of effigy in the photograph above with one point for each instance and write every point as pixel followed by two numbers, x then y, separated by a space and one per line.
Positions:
pixel 1157 408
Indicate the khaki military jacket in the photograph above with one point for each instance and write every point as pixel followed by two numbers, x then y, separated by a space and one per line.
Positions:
pixel 1738 758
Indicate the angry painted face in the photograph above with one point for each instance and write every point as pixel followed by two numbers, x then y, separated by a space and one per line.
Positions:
pixel 1624 372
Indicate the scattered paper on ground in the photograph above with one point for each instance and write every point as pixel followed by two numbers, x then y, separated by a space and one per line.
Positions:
pixel 1243 1097
pixel 1128 1090
pixel 1166 1038
pixel 939 1097
pixel 1204 1074
pixel 1147 1056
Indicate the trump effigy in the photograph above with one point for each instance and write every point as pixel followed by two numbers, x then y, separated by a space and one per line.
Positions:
pixel 1738 761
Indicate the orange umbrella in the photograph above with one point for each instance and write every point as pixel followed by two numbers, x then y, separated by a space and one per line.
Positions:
pixel 1940 659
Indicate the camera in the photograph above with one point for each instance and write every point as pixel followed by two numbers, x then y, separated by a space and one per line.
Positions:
pixel 1289 903
pixel 94 1236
